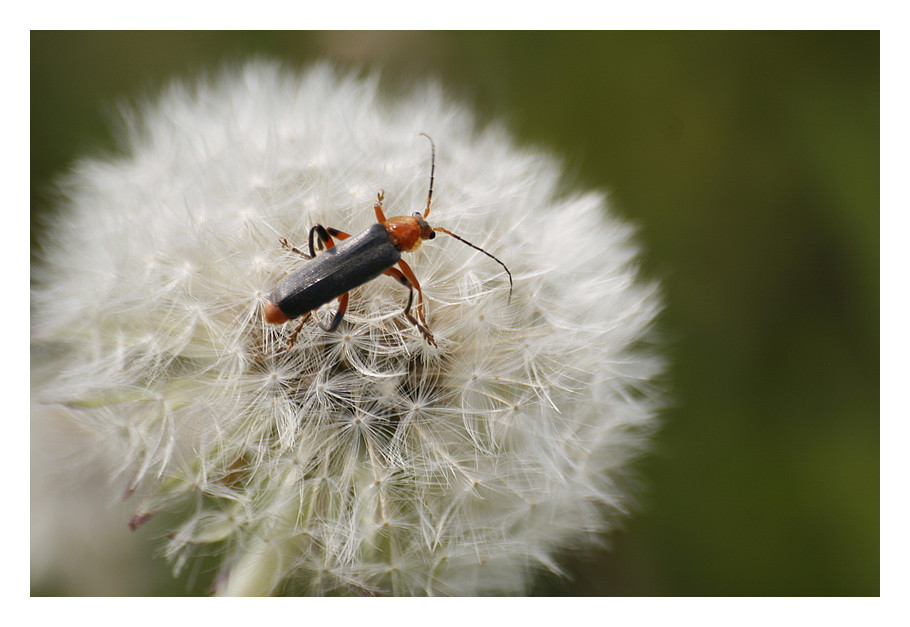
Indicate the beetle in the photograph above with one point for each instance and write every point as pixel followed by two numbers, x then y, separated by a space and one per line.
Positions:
pixel 356 260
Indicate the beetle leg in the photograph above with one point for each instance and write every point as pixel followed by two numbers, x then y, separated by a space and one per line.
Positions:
pixel 293 338
pixel 336 233
pixel 325 240
pixel 377 206
pixel 342 307
pixel 406 269
pixel 287 246
pixel 410 282
pixel 325 237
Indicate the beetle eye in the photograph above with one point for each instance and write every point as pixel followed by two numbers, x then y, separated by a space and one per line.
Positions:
pixel 417 214
pixel 432 234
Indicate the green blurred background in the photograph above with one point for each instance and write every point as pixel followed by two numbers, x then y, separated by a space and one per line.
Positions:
pixel 750 160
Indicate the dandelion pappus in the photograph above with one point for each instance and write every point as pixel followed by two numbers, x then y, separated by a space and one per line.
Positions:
pixel 356 260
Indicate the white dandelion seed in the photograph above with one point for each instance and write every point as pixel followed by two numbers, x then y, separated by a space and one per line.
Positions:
pixel 363 461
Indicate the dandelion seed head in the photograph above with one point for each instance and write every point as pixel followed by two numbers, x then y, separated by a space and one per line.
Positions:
pixel 364 461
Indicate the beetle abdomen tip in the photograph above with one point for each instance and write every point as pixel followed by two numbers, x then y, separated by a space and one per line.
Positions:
pixel 274 315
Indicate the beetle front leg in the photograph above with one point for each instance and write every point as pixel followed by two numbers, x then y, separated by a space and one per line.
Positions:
pixel 377 206
pixel 406 269
pixel 411 283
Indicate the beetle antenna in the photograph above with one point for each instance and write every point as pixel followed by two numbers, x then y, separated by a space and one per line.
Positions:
pixel 493 257
pixel 432 172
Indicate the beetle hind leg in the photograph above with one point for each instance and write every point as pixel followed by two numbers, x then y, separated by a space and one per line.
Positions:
pixel 342 308
pixel 293 339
